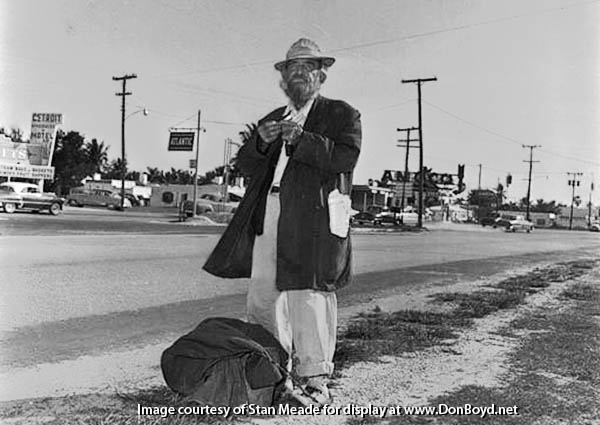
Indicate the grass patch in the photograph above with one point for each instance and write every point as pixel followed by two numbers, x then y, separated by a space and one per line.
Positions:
pixel 556 376
pixel 370 335
pixel 581 292
pixel 481 303
pixel 110 409
pixel 542 277
pixel 374 334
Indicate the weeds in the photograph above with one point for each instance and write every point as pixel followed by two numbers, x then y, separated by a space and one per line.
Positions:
pixel 375 334
pixel 557 372
pixel 581 293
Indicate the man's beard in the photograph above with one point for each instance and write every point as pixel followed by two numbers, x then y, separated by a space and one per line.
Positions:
pixel 300 92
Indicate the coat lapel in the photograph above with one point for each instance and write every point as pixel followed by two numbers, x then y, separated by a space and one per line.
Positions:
pixel 314 123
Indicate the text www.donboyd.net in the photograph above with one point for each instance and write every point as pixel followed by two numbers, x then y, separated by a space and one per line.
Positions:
pixel 348 409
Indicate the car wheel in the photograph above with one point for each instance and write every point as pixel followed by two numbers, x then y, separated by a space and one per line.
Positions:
pixel 54 208
pixel 10 208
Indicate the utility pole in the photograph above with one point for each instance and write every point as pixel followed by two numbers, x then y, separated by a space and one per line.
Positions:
pixel 573 183
pixel 590 202
pixel 123 93
pixel 479 215
pixel 226 160
pixel 531 161
pixel 419 82
pixel 196 168
pixel 405 177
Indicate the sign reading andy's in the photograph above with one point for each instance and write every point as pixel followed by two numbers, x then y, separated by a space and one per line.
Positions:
pixel 43 133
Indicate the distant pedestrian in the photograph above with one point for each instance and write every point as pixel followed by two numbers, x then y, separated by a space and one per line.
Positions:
pixel 280 235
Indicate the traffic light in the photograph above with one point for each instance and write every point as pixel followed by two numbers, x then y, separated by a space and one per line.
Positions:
pixel 508 180
pixel 461 172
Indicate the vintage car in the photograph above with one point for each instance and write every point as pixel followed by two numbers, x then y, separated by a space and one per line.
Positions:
pixel 520 223
pixel 28 196
pixel 211 202
pixel 362 218
pixel 9 200
pixel 80 197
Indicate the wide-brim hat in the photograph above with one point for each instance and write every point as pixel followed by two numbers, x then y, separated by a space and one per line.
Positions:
pixel 305 49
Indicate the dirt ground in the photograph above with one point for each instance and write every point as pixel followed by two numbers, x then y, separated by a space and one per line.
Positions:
pixel 525 343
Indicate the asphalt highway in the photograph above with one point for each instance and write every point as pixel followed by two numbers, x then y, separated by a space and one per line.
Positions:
pixel 115 280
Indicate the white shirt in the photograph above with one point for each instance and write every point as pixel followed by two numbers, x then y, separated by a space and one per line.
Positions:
pixel 299 117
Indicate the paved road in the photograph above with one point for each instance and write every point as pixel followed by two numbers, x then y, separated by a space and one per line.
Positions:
pixel 67 294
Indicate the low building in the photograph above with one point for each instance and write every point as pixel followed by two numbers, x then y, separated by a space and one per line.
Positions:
pixel 580 219
pixel 365 197
pixel 172 195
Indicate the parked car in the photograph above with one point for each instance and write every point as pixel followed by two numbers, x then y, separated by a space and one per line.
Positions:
pixel 212 202
pixel 30 198
pixel 383 219
pixel 489 220
pixel 520 224
pixel 408 217
pixel 362 218
pixel 504 221
pixel 9 200
pixel 80 197
pixel 135 200
pixel 595 227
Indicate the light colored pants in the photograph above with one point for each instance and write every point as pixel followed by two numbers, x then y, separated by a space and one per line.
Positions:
pixel 302 320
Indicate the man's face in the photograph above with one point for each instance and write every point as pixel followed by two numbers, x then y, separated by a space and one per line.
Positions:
pixel 301 80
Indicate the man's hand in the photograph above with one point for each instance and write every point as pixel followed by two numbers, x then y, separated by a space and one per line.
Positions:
pixel 290 132
pixel 269 131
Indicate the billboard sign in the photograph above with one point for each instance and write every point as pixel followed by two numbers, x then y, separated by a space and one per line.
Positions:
pixel 181 141
pixel 27 171
pixel 43 134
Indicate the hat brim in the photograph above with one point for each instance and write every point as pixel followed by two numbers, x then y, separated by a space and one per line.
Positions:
pixel 325 60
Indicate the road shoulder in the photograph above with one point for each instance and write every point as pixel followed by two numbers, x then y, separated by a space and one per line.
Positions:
pixel 494 341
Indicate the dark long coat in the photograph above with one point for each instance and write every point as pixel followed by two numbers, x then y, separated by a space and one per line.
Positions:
pixel 308 255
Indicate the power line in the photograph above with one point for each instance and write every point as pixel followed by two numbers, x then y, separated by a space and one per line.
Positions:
pixel 472 124
pixel 501 136
pixel 388 41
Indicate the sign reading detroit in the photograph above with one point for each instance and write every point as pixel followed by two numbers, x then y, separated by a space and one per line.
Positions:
pixel 43 133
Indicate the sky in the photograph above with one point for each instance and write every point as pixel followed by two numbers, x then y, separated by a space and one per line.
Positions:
pixel 509 73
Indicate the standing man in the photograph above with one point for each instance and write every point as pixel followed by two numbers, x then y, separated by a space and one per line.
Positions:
pixel 280 235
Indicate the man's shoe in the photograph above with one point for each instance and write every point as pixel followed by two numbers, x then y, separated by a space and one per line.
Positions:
pixel 317 390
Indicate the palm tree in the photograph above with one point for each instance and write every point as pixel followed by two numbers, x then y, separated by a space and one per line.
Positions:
pixel 115 168
pixel 248 132
pixel 155 175
pixel 97 155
